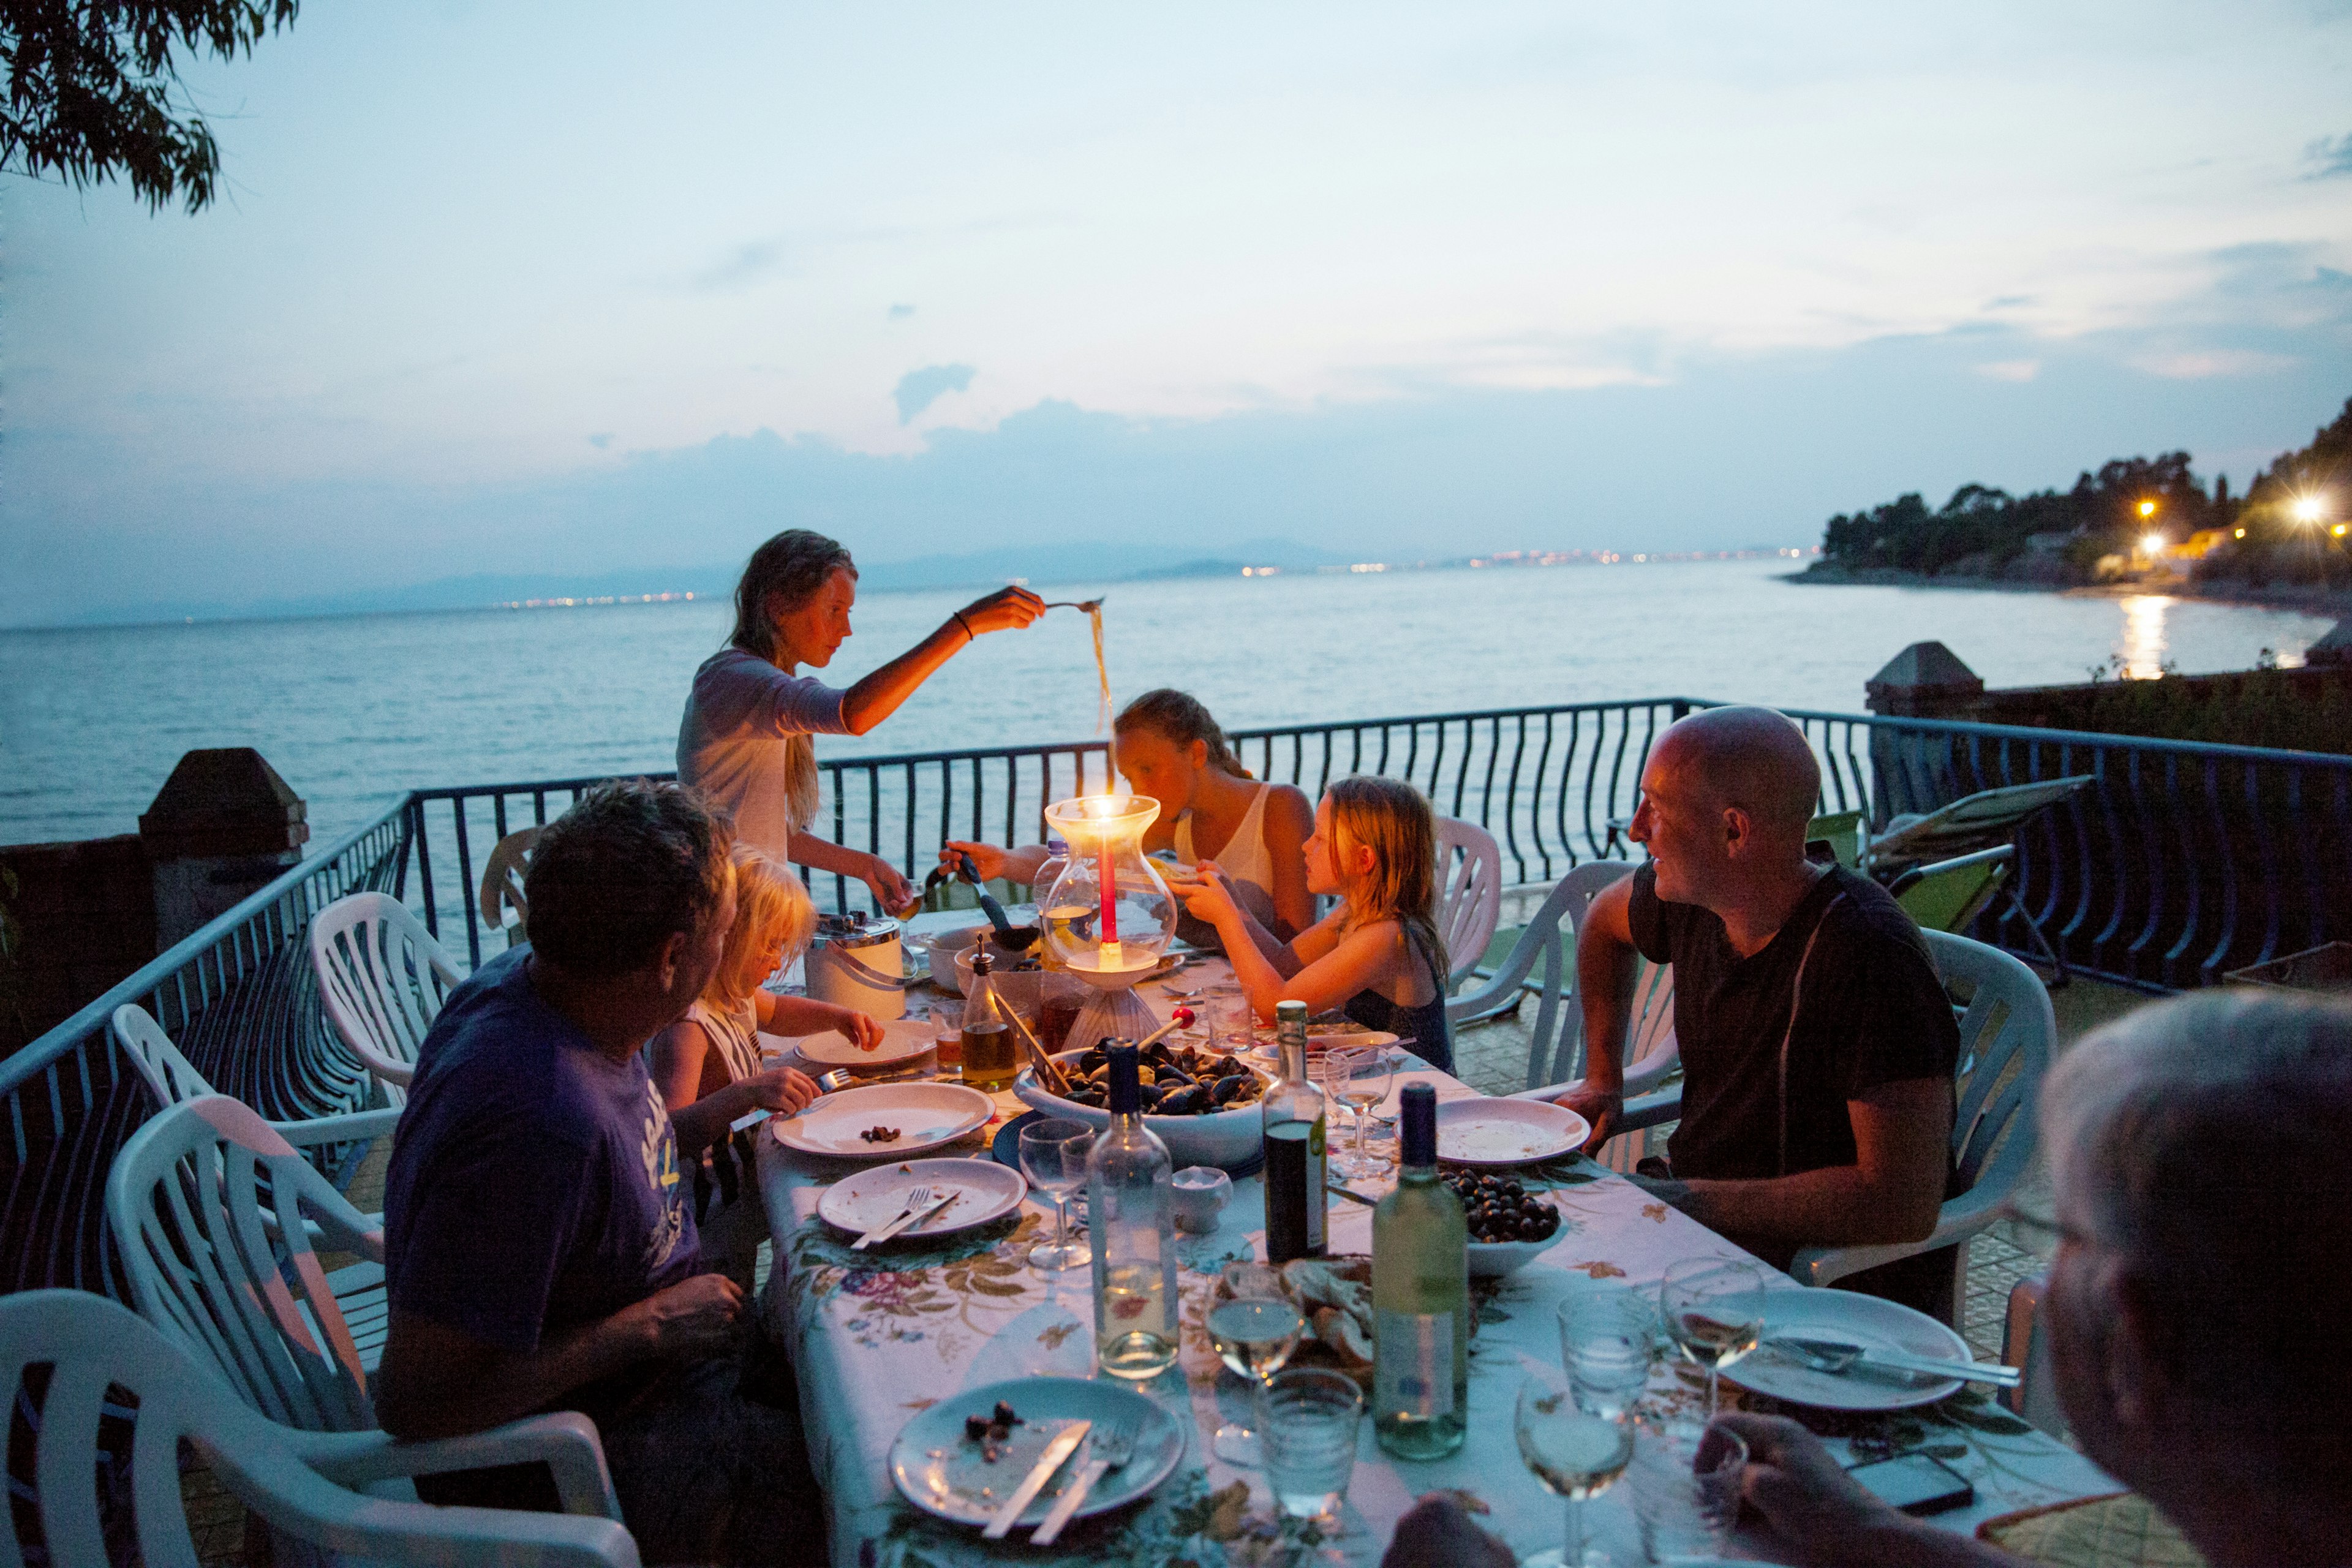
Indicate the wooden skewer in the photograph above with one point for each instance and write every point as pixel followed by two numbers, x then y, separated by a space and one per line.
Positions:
pixel 1050 1074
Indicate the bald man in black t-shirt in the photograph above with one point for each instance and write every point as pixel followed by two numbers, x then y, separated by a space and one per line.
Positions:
pixel 1818 1048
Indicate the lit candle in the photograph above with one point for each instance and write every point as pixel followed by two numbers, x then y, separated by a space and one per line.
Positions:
pixel 1107 872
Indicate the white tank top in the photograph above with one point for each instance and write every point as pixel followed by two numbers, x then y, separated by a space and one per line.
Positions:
pixel 1246 861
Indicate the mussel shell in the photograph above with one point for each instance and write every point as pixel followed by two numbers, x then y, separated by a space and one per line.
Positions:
pixel 1228 1087
pixel 1182 1101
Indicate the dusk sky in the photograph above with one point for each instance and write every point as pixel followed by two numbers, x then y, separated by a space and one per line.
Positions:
pixel 590 286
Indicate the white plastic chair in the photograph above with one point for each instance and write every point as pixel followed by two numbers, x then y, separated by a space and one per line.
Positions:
pixel 359 1287
pixel 503 888
pixel 197 1202
pixel 382 979
pixel 306 1485
pixel 2007 1034
pixel 1470 893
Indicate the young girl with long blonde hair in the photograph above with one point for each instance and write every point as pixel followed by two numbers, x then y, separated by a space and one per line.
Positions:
pixel 1378 956
pixel 708 1066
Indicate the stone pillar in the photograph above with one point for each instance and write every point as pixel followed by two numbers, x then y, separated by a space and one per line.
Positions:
pixel 224 826
pixel 1926 680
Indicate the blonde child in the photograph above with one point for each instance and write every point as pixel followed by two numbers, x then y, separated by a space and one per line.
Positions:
pixel 1377 956
pixel 706 1065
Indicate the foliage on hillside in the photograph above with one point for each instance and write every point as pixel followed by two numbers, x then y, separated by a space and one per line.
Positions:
pixel 2250 713
pixel 1982 531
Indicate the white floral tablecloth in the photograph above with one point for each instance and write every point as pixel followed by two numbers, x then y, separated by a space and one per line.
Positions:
pixel 877 1339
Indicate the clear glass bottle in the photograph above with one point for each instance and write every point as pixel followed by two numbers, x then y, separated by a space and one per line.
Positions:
pixel 991 1056
pixel 1298 1120
pixel 1131 1227
pixel 1420 1298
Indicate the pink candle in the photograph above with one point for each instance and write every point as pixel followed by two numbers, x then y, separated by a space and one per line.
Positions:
pixel 1109 875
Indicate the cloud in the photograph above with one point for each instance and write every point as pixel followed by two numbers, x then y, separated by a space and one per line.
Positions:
pixel 919 389
pixel 2329 156
pixel 2010 369
pixel 901 312
pixel 2199 365
pixel 741 268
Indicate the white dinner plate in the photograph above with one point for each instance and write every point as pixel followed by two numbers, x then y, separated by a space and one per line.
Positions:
pixel 925 1115
pixel 902 1040
pixel 941 1471
pixel 984 1191
pixel 1492 1133
pixel 1864 1321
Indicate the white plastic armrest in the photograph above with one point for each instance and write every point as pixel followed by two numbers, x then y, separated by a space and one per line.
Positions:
pixel 566 1442
pixel 1651 1110
pixel 1652 1069
pixel 1958 1221
pixel 352 1127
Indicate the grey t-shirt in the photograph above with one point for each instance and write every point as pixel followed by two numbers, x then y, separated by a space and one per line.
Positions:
pixel 730 743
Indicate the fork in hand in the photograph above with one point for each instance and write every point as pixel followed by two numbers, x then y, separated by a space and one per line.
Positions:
pixel 1112 1444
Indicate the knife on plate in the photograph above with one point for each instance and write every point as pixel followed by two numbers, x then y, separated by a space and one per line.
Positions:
pixel 1058 1447
pixel 911 1217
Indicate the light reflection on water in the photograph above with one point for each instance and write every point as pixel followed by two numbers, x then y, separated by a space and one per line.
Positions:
pixel 353 710
pixel 2142 645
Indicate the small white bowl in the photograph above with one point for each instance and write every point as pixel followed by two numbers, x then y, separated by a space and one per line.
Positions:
pixel 1493 1260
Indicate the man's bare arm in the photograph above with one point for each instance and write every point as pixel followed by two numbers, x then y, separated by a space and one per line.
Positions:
pixel 1604 982
pixel 439 1382
pixel 1902 1136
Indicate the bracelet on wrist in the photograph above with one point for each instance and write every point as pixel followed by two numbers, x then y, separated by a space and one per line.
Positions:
pixel 970 635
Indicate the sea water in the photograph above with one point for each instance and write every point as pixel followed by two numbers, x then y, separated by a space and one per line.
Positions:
pixel 354 709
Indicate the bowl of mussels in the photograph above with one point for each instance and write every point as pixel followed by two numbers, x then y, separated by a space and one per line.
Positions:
pixel 1202 1104
pixel 1510 1223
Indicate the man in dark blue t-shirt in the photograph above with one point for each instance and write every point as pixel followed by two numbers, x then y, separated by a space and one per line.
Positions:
pixel 540 1245
pixel 1818 1046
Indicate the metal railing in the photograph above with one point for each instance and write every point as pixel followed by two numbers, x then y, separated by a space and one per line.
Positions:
pixel 239 1000
pixel 2179 863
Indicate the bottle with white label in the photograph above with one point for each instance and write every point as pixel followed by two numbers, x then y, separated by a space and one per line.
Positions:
pixel 1297 1121
pixel 1420 1298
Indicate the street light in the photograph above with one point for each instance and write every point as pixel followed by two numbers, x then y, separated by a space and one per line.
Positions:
pixel 2152 545
pixel 2311 507
pixel 2147 508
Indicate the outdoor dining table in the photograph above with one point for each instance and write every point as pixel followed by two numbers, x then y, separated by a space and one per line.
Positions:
pixel 877 1338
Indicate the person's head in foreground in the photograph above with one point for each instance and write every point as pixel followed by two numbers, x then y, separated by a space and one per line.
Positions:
pixel 1167 742
pixel 2201 1151
pixel 1375 845
pixel 1727 794
pixel 775 917
pixel 633 888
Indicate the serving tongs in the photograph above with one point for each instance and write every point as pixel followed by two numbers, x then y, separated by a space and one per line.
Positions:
pixel 1009 937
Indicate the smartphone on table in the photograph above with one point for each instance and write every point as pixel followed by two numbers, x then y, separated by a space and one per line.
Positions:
pixel 1918 1484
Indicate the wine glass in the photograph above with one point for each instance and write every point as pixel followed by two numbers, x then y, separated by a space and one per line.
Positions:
pixel 1054 1158
pixel 1254 1336
pixel 1359 1080
pixel 1575 1450
pixel 1714 1309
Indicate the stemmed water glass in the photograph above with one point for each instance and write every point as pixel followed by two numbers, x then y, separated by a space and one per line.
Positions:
pixel 1713 1309
pixel 1254 1336
pixel 1359 1080
pixel 1053 1157
pixel 1576 1449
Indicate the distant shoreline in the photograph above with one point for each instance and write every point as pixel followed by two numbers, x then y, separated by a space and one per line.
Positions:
pixel 2309 600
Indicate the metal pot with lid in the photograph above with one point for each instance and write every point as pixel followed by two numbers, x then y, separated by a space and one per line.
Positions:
pixel 856 962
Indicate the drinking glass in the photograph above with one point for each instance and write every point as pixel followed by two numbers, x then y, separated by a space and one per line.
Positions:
pixel 1359 1080
pixel 1306 1420
pixel 1714 1309
pixel 1608 1338
pixel 1254 1336
pixel 1575 1451
pixel 1686 1490
pixel 1053 1157
pixel 1232 1021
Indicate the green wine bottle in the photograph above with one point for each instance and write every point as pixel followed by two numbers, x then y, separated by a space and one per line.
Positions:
pixel 1421 1299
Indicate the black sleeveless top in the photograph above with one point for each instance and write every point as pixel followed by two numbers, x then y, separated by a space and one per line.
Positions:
pixel 1425 1025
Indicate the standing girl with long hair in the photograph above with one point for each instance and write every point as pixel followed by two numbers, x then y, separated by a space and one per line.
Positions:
pixel 745 739
pixel 1377 956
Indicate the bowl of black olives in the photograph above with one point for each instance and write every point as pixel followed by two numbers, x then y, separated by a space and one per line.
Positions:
pixel 1510 1223
pixel 1202 1104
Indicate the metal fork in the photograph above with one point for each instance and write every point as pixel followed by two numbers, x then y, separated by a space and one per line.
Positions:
pixel 915 1200
pixel 1112 1444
